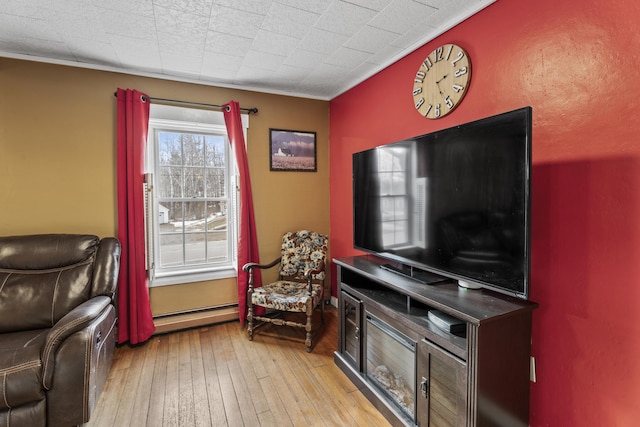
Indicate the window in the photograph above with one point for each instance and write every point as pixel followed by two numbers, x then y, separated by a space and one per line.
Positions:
pixel 191 205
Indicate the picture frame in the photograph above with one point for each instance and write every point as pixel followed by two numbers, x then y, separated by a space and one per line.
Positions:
pixel 292 150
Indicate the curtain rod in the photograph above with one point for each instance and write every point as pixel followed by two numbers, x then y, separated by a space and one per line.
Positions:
pixel 175 101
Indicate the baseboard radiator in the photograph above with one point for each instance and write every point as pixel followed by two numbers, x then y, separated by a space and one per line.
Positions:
pixel 194 319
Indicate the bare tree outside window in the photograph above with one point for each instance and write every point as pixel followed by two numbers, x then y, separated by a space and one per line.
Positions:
pixel 192 198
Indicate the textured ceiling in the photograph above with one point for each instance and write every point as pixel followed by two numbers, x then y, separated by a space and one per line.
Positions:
pixel 310 48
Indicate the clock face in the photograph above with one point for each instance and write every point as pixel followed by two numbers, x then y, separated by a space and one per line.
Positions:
pixel 441 81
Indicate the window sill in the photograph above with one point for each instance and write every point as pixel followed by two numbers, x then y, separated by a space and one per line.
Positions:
pixel 168 279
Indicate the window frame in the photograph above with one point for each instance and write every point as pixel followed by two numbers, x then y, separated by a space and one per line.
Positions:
pixel 193 121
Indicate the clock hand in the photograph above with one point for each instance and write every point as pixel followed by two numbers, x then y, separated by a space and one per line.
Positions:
pixel 438 84
pixel 443 77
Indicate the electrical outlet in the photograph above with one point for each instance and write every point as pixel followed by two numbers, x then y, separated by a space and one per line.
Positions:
pixel 532 369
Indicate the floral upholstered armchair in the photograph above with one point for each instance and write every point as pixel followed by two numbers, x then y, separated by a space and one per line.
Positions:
pixel 300 284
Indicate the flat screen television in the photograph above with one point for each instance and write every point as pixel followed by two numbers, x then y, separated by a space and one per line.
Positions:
pixel 454 203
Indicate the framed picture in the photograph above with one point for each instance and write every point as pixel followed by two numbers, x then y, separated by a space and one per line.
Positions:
pixel 292 150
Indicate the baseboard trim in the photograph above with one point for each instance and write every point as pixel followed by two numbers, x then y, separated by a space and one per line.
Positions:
pixel 177 322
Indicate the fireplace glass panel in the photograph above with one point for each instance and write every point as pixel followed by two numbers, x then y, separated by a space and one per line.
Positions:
pixel 351 329
pixel 391 363
pixel 350 334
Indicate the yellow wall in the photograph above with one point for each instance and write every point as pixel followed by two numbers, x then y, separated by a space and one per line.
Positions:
pixel 58 164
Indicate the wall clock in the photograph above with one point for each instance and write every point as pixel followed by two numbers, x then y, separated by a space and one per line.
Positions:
pixel 441 81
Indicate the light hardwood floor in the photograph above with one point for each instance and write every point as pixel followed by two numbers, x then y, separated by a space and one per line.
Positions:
pixel 215 376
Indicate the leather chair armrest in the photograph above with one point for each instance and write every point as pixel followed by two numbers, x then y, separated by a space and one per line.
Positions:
pixel 107 267
pixel 75 320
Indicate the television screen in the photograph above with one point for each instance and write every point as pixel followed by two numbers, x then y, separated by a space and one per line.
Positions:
pixel 454 202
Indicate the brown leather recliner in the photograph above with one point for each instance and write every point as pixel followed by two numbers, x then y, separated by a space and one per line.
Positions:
pixel 57 326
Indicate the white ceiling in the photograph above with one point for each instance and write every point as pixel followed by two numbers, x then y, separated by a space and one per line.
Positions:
pixel 309 48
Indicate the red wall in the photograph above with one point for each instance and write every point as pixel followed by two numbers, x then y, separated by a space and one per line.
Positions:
pixel 577 63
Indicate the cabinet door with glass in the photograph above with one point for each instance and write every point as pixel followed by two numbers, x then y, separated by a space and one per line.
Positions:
pixel 351 325
pixel 442 383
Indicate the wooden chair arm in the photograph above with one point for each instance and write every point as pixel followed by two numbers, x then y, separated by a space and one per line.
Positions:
pixel 251 265
pixel 248 267
pixel 310 272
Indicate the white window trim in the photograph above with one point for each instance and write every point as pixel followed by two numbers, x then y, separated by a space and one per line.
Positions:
pixel 188 119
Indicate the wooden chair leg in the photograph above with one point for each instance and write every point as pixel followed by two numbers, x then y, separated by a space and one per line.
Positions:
pixel 309 329
pixel 250 321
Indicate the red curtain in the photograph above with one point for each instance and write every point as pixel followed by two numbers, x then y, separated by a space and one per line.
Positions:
pixel 135 321
pixel 247 239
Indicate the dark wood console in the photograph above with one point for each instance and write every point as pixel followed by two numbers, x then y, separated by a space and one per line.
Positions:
pixel 416 372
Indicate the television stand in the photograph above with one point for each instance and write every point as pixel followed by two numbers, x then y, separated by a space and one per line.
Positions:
pixel 433 355
pixel 416 274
